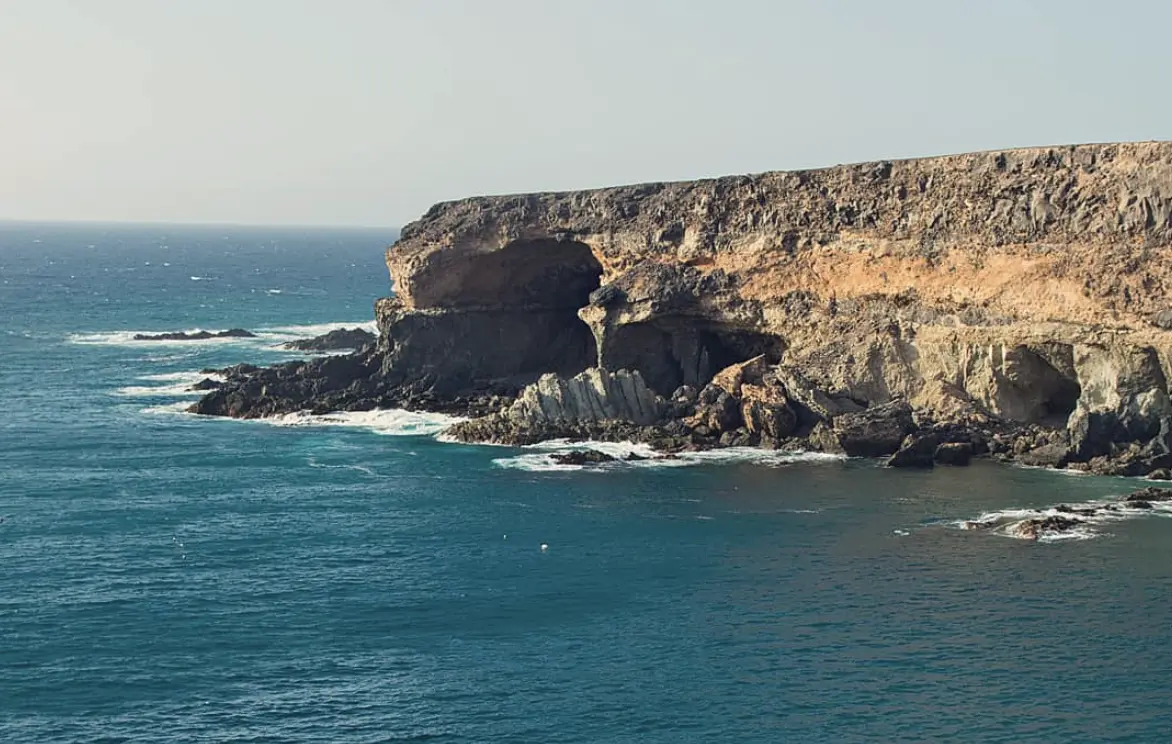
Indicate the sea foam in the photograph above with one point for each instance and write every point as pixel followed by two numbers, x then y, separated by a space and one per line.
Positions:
pixel 271 338
pixel 389 422
pixel 1005 522
pixel 538 458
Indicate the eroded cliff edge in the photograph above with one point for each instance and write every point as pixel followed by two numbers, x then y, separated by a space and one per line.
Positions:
pixel 1023 292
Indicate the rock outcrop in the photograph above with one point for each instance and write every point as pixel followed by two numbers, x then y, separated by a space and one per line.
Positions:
pixel 194 335
pixel 1018 299
pixel 335 340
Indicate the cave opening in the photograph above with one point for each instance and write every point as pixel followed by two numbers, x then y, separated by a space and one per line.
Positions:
pixel 534 289
pixel 670 352
pixel 1047 385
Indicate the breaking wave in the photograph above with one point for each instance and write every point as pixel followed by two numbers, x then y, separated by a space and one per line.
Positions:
pixel 389 422
pixel 180 385
pixel 266 337
pixel 1074 521
pixel 538 458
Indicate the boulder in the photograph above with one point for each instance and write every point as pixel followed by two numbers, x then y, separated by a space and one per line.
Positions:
pixel 716 411
pixel 1149 494
pixel 1047 456
pixel 766 411
pixel 954 453
pixel 873 432
pixel 917 451
pixel 581 457
pixel 1032 529
pixel 731 378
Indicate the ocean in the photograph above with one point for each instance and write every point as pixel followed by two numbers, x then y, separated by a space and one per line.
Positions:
pixel 169 578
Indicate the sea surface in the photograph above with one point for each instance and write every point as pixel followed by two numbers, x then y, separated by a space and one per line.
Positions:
pixel 169 578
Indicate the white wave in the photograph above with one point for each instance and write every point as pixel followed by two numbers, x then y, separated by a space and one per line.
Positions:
pixel 190 377
pixel 127 338
pixel 1090 515
pixel 168 409
pixel 390 422
pixel 199 278
pixel 273 291
pixel 309 330
pixel 158 391
pixel 644 456
pixel 180 386
pixel 270 337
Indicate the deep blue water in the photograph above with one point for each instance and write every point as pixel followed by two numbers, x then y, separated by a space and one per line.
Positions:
pixel 165 578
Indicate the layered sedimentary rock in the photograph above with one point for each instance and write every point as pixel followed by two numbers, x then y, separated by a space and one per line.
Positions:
pixel 1024 288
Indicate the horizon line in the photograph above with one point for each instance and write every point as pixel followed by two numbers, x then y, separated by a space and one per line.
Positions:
pixel 210 224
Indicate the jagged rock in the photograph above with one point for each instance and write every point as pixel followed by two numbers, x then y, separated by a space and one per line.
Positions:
pixel 594 395
pixel 731 378
pixel 917 451
pixel 874 432
pixel 1033 529
pixel 335 340
pixel 207 383
pixel 716 411
pixel 954 453
pixel 766 411
pixel 1047 456
pixel 196 336
pixel 595 401
pixel 1150 494
pixel 1079 511
pixel 811 403
pixel 1162 474
pixel 581 457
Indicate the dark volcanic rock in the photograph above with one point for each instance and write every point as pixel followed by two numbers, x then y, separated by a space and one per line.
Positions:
pixel 335 340
pixel 1149 494
pixel 873 432
pixel 917 451
pixel 954 453
pixel 581 457
pixel 197 336
pixel 1048 456
pixel 1032 529
pixel 207 383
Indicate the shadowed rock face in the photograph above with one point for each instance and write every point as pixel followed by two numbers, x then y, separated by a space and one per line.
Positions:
pixel 1028 287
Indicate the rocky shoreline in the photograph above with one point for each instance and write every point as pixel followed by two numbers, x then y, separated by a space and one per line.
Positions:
pixel 1012 305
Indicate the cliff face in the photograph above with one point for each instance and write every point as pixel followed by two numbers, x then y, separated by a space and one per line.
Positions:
pixel 983 292
pixel 1024 285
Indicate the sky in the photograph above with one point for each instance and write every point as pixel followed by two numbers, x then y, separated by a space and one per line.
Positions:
pixel 366 112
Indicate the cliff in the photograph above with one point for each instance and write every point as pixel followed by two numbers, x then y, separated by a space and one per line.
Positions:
pixel 1024 288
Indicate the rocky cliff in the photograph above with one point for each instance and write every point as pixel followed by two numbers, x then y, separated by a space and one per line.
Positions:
pixel 1024 290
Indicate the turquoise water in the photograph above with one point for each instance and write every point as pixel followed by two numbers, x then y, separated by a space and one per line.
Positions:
pixel 171 579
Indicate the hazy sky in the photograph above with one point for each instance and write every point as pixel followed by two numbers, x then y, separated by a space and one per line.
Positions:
pixel 365 112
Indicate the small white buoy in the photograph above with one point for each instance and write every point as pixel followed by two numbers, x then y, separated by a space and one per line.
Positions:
pixel 544 547
pixel 504 537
